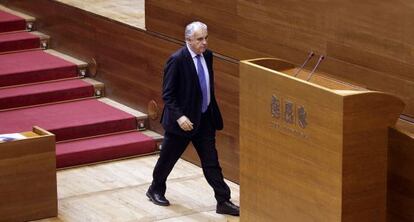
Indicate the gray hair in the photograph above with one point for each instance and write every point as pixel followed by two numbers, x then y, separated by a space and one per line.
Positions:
pixel 192 27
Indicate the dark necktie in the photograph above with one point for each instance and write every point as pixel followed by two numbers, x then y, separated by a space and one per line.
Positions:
pixel 203 83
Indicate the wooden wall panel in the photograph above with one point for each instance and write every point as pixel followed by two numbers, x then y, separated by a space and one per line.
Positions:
pixel 130 63
pixel 367 42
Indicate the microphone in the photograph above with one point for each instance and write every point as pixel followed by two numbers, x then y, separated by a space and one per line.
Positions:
pixel 311 54
pixel 316 66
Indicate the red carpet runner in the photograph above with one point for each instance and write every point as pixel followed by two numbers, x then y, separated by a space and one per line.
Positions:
pixel 103 148
pixel 9 22
pixel 33 66
pixel 69 120
pixel 13 41
pixel 40 93
pixel 87 130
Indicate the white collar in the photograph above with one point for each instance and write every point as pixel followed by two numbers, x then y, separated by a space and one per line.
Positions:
pixel 193 54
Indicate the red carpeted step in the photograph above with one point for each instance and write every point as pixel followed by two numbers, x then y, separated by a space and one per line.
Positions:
pixel 33 66
pixel 103 148
pixel 45 93
pixel 10 22
pixel 69 120
pixel 14 41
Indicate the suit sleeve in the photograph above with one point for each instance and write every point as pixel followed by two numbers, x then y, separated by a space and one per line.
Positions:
pixel 169 88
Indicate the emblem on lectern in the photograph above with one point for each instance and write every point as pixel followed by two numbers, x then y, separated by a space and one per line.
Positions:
pixel 275 107
pixel 302 117
pixel 289 113
pixel 288 116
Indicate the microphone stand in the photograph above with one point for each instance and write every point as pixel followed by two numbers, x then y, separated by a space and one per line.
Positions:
pixel 311 54
pixel 316 66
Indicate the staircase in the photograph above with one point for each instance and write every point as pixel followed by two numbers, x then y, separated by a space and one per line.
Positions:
pixel 45 88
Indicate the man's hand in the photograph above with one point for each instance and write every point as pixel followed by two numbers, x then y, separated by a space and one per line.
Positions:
pixel 185 123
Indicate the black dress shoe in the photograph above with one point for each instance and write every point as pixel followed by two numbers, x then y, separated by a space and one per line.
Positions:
pixel 157 199
pixel 227 207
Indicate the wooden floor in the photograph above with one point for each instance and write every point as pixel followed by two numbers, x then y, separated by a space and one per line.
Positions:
pixel 115 191
pixel 131 12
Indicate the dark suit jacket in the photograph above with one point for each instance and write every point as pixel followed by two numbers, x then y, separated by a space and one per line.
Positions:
pixel 182 95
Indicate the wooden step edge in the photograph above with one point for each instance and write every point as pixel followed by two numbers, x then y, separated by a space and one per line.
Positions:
pixel 139 115
pixel 44 39
pixel 42 36
pixel 26 17
pixel 154 135
pixel 98 86
pixel 158 138
pixel 79 63
pixel 82 66
pixel 142 118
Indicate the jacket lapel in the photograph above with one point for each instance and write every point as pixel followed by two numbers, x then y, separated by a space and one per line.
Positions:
pixel 193 71
pixel 189 61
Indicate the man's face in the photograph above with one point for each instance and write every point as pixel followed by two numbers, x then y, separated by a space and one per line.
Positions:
pixel 198 42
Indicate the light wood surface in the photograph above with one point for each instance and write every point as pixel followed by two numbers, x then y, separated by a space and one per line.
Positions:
pixel 131 12
pixel 115 191
pixel 28 177
pixel 334 169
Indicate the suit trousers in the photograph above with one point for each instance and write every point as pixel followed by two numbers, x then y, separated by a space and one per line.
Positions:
pixel 204 142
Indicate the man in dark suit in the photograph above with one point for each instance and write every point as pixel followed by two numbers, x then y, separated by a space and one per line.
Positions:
pixel 191 114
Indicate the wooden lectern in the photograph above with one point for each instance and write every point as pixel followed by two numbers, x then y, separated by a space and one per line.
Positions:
pixel 311 150
pixel 28 177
